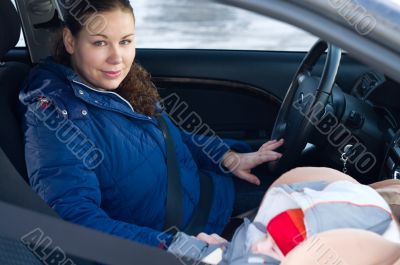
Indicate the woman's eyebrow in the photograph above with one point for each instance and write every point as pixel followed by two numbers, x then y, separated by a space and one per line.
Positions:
pixel 104 36
pixel 126 36
pixel 101 35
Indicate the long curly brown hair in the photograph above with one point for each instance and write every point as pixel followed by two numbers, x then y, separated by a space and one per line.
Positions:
pixel 137 87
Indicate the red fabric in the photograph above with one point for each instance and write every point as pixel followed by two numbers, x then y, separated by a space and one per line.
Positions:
pixel 287 229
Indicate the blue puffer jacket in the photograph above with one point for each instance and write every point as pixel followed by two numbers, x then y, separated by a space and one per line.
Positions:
pixel 100 164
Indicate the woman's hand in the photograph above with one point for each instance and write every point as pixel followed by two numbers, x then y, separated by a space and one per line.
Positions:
pixel 241 164
pixel 211 239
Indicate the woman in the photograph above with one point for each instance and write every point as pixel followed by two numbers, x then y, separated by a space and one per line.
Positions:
pixel 94 149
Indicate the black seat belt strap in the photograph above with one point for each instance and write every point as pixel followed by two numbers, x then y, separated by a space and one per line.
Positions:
pixel 200 214
pixel 174 210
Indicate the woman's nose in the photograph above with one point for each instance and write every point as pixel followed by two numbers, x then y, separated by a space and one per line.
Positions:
pixel 115 56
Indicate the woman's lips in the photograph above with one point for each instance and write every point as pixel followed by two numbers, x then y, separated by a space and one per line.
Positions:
pixel 112 74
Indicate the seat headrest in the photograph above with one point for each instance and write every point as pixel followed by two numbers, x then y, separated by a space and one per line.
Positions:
pixel 10 27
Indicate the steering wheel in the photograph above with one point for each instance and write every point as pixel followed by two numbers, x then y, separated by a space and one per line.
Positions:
pixel 305 102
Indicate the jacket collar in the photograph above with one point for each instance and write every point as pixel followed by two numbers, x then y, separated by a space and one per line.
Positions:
pixel 103 99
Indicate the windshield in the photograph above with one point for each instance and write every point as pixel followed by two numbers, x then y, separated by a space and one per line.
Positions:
pixel 375 19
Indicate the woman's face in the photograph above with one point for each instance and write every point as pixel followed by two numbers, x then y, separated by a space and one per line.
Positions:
pixel 103 59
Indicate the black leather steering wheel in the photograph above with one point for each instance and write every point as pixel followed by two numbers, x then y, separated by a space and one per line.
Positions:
pixel 304 103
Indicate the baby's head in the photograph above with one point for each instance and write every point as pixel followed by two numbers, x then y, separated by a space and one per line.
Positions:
pixel 285 232
pixel 267 246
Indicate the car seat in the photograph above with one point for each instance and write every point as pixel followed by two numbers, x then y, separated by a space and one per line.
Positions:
pixel 14 186
pixel 12 75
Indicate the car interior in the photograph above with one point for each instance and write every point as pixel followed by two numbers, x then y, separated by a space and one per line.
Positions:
pixel 237 93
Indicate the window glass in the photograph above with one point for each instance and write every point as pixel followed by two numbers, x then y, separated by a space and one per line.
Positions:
pixel 208 25
pixel 21 42
pixel 186 24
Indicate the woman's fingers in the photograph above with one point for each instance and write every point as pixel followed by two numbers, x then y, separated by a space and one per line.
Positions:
pixel 211 239
pixel 271 145
pixel 219 238
pixel 254 159
pixel 265 156
pixel 269 142
pixel 249 177
pixel 204 237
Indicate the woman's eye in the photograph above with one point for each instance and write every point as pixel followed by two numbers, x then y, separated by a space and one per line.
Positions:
pixel 99 43
pixel 125 42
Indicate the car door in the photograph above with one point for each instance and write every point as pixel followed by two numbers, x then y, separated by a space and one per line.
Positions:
pixel 234 80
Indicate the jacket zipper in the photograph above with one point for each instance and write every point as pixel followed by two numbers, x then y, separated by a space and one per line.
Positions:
pixel 110 92
pixel 106 92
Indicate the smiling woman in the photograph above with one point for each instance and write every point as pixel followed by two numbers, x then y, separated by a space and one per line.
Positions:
pixel 122 188
pixel 92 96
pixel 93 44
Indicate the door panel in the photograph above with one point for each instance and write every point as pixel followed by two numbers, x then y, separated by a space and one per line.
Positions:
pixel 236 93
pixel 232 110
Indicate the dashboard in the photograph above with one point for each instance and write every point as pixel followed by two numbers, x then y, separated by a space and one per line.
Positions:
pixel 391 166
pixel 383 95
